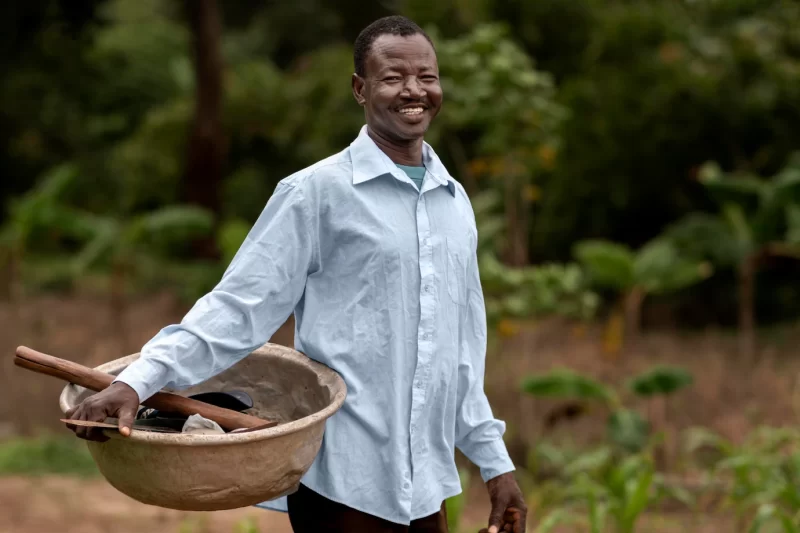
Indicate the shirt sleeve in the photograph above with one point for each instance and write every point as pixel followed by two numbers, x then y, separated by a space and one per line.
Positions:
pixel 478 434
pixel 257 293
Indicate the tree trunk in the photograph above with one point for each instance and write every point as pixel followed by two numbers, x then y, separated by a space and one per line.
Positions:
pixel 207 148
pixel 516 225
pixel 746 295
pixel 633 314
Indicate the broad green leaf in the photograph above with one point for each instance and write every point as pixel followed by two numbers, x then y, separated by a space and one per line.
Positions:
pixel 564 383
pixel 653 262
pixel 627 429
pixel 608 264
pixel 660 380
pixel 701 236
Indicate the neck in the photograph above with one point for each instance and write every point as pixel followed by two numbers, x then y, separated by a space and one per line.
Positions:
pixel 401 153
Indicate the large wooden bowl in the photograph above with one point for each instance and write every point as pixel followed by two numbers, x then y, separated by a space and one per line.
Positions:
pixel 214 472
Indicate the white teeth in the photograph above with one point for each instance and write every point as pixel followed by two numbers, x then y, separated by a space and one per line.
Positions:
pixel 411 111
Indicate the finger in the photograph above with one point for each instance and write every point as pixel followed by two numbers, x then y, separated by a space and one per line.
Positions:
pixel 496 517
pixel 126 416
pixel 81 431
pixel 73 414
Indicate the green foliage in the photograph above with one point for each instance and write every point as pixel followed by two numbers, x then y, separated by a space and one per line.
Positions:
pixel 660 380
pixel 602 491
pixel 625 428
pixel 127 241
pixel 628 429
pixel 762 473
pixel 231 236
pixel 491 84
pixel 46 455
pixel 565 383
pixel 656 268
pixel 544 290
pixel 455 505
pixel 754 215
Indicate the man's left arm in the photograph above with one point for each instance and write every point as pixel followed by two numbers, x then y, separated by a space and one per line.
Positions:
pixel 478 434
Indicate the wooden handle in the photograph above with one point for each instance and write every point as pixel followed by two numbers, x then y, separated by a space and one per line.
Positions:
pixel 95 380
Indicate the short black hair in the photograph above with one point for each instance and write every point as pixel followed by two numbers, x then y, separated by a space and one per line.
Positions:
pixel 391 25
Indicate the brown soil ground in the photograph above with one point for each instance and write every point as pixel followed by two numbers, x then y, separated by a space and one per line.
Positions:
pixel 730 396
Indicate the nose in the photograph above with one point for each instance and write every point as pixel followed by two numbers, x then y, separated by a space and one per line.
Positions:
pixel 413 88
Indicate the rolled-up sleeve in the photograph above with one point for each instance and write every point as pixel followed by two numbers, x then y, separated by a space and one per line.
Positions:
pixel 255 296
pixel 478 434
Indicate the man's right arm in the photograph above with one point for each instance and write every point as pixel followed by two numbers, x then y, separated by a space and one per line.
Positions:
pixel 257 293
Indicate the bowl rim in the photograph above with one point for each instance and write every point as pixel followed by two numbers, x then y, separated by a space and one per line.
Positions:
pixel 188 439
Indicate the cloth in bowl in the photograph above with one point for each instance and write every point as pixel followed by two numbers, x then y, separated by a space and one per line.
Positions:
pixel 199 425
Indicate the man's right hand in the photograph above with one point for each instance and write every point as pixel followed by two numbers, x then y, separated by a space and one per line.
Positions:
pixel 118 400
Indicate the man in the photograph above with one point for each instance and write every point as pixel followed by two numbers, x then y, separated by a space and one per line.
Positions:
pixel 374 250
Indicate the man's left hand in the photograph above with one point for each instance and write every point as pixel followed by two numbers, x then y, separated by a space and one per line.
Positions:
pixel 504 493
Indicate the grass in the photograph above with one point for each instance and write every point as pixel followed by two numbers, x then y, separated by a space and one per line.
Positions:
pixel 46 455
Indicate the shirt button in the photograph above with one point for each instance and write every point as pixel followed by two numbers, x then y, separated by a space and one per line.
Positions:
pixel 427 288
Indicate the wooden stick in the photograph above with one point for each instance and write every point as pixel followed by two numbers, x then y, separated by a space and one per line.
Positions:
pixel 95 380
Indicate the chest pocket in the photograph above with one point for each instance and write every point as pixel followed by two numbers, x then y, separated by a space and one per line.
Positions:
pixel 456 271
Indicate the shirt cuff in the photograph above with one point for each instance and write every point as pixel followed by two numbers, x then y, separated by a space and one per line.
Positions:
pixel 492 459
pixel 144 377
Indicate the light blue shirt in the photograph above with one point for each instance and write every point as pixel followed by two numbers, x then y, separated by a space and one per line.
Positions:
pixel 384 284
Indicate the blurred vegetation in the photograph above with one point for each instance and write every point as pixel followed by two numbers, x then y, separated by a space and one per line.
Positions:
pixel 622 157
pixel 605 131
pixel 48 454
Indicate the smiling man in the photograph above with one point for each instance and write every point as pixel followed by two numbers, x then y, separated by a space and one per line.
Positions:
pixel 374 250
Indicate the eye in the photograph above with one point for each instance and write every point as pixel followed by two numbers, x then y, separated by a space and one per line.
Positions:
pixel 392 78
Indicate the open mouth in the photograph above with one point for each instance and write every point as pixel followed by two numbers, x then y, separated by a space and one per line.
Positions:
pixel 412 111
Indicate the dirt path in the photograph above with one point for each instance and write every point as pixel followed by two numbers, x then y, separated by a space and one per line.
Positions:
pixel 70 505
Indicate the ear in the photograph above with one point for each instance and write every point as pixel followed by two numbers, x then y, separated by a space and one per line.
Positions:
pixel 358 89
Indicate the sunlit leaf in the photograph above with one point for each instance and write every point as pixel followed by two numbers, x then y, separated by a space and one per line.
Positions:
pixel 608 264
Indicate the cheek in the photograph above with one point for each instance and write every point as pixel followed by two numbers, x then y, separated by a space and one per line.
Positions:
pixel 435 95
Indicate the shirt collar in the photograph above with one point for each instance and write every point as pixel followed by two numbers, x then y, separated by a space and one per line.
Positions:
pixel 369 162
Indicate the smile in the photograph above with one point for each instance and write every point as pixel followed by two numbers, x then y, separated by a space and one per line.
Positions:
pixel 412 110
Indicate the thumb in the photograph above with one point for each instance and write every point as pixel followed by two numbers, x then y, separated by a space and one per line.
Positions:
pixel 126 416
pixel 496 517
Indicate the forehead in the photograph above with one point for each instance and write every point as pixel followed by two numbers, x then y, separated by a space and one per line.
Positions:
pixel 396 51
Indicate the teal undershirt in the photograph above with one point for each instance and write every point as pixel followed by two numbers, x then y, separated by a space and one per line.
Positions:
pixel 415 173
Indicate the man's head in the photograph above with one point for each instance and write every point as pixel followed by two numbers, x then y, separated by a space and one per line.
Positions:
pixel 396 79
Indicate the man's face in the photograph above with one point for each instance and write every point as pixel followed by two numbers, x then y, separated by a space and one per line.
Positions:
pixel 400 92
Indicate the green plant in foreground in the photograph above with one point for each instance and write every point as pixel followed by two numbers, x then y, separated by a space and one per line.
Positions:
pixel 601 490
pixel 760 477
pixel 455 504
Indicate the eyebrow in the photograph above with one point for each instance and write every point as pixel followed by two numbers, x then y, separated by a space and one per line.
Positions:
pixel 398 66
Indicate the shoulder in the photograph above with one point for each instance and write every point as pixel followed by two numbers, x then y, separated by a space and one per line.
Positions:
pixel 327 172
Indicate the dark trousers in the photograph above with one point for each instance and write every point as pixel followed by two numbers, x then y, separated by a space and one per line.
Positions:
pixel 311 513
